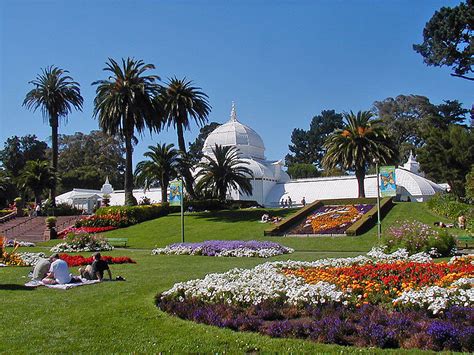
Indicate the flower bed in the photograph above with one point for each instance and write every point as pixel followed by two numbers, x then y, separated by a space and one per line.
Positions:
pixel 416 236
pixel 82 242
pixel 331 219
pixel 233 248
pixel 79 230
pixel 79 260
pixel 381 300
pixel 13 243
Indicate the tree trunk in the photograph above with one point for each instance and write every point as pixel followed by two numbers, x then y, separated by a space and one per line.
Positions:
pixel 188 179
pixel 54 143
pixel 130 200
pixel 164 191
pixel 360 175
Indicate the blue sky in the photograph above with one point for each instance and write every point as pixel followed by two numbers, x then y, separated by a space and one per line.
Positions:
pixel 282 62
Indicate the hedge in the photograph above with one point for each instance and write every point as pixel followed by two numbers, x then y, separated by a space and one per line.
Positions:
pixel 137 214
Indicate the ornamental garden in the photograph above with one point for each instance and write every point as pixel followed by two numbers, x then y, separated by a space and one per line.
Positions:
pixel 308 294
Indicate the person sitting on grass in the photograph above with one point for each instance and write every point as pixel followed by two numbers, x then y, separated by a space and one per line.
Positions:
pixel 96 270
pixel 41 269
pixel 58 272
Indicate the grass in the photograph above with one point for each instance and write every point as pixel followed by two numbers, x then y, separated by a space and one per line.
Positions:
pixel 122 317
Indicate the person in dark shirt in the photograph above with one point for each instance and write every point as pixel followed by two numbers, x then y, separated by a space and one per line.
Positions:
pixel 96 270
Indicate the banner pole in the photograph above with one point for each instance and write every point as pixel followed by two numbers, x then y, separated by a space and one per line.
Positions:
pixel 182 210
pixel 379 223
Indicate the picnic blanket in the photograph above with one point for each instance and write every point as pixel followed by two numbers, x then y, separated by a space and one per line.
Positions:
pixel 84 282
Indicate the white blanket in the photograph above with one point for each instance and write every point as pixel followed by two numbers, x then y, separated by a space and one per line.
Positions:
pixel 34 283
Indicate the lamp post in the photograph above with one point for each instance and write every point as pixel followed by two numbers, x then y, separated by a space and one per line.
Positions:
pixel 379 223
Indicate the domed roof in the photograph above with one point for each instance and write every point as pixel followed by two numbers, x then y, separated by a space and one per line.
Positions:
pixel 234 133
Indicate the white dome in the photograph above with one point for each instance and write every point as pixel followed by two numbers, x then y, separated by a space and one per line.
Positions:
pixel 234 133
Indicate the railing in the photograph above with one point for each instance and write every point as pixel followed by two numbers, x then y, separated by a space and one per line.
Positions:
pixel 8 217
pixel 67 223
pixel 20 227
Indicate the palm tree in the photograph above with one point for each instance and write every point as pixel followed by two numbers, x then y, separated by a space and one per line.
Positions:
pixel 57 94
pixel 357 145
pixel 181 101
pixel 224 170
pixel 123 104
pixel 37 176
pixel 161 168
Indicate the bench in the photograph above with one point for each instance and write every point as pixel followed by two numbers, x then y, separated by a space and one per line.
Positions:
pixel 118 241
pixel 465 239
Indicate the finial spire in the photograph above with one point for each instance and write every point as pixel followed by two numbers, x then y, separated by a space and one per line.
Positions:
pixel 233 113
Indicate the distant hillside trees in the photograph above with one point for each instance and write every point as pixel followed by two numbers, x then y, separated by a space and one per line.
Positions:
pixel 88 159
pixel 307 146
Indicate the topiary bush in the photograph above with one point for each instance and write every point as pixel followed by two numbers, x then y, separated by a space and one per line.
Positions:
pixel 418 237
pixel 449 206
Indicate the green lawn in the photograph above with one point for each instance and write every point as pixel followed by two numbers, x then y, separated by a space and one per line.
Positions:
pixel 122 317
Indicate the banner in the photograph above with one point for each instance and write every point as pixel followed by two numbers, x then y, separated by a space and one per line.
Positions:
pixel 388 183
pixel 176 193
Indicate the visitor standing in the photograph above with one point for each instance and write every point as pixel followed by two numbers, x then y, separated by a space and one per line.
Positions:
pixel 462 222
pixel 303 202
pixel 290 202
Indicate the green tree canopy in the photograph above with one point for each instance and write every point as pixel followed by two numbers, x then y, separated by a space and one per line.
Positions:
pixel 448 39
pixel 56 94
pixel 18 150
pixel 195 149
pixel 308 146
pixel 448 155
pixel 37 176
pixel 183 103
pixel 403 118
pixel 470 185
pixel 124 103
pixel 302 171
pixel 159 170
pixel 222 170
pixel 357 145
pixel 88 159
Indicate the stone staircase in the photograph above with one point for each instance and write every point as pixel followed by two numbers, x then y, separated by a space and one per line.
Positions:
pixel 33 229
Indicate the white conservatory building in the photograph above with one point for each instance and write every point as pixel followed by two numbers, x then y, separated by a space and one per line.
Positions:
pixel 270 182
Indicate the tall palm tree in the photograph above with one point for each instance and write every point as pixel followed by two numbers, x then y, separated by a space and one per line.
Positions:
pixel 161 168
pixel 37 176
pixel 181 102
pixel 223 170
pixel 357 145
pixel 57 94
pixel 123 104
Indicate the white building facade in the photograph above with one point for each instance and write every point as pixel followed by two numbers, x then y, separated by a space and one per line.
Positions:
pixel 271 184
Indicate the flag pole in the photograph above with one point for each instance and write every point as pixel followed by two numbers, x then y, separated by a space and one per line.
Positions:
pixel 182 210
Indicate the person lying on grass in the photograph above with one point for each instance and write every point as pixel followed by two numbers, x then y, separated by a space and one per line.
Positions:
pixel 58 272
pixel 96 270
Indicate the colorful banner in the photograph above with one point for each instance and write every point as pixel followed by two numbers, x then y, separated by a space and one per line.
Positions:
pixel 388 183
pixel 176 193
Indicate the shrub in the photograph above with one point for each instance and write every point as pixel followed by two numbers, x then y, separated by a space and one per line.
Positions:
pixel 51 221
pixel 61 209
pixel 123 216
pixel 82 242
pixel 215 205
pixel 416 237
pixel 449 206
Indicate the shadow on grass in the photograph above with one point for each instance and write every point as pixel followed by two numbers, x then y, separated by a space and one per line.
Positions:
pixel 15 287
pixel 232 216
